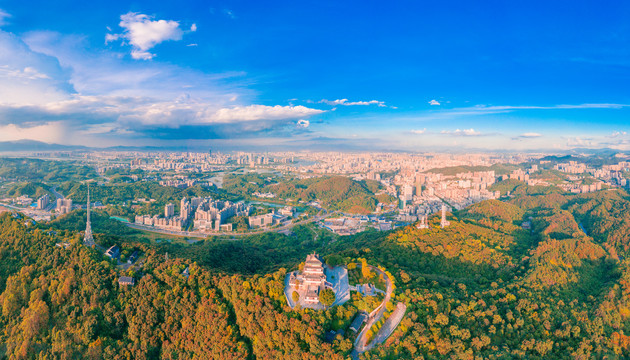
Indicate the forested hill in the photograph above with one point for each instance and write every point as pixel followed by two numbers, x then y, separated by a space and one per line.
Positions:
pixel 66 304
pixel 541 275
pixel 335 193
pixel 487 287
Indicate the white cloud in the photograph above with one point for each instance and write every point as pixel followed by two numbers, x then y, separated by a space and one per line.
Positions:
pixel 580 141
pixel 345 102
pixel 143 33
pixel 28 73
pixel 28 77
pixel 3 16
pixel 303 123
pixel 193 27
pixel 419 132
pixel 434 102
pixel 262 112
pixel 464 132
pixel 530 135
pixel 618 134
pixel 116 102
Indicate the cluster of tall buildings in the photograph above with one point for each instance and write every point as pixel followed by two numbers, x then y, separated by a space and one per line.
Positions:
pixel 371 164
pixel 212 214
pixel 181 184
pixel 64 206
pixel 422 193
pixel 169 221
pixel 572 167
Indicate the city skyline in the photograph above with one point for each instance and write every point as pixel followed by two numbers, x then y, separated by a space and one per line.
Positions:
pixel 406 76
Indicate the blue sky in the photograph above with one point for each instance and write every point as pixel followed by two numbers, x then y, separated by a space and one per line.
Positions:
pixel 407 75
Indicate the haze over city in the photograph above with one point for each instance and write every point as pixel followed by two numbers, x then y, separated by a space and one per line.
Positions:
pixel 407 75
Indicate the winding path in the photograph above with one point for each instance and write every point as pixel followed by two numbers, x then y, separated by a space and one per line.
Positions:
pixel 360 345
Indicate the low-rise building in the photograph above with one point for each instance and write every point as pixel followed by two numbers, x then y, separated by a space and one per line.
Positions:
pixel 126 280
pixel 261 220
pixel 113 252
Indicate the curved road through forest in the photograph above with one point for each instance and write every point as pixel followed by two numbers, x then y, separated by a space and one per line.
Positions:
pixel 360 345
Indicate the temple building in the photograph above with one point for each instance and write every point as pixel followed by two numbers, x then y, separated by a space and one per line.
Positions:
pixel 312 280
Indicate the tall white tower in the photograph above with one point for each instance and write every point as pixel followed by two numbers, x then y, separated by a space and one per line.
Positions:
pixel 88 239
pixel 444 223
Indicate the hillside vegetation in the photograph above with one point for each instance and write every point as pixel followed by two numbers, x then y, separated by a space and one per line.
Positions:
pixel 483 287
pixel 335 193
pixel 44 170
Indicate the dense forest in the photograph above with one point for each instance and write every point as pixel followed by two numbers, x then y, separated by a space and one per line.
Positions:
pixel 540 275
pixel 118 193
pixel 334 192
pixel 44 170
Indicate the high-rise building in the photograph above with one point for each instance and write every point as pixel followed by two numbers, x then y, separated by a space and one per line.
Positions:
pixel 169 210
pixel 64 206
pixel 88 239
pixel 444 223
pixel 43 202
pixel 424 222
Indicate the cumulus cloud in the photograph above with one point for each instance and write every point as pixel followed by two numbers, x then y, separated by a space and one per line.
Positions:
pixel 434 102
pixel 111 115
pixel 580 141
pixel 262 112
pixel 119 102
pixel 303 123
pixel 346 102
pixel 464 132
pixel 419 132
pixel 618 134
pixel 143 33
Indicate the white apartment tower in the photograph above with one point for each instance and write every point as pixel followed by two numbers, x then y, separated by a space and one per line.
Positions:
pixel 444 223
pixel 169 211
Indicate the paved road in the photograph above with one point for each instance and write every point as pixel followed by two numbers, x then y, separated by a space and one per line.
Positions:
pixel 53 204
pixel 57 194
pixel 390 325
pixel 360 345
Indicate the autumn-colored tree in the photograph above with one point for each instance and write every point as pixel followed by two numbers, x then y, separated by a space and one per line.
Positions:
pixel 327 297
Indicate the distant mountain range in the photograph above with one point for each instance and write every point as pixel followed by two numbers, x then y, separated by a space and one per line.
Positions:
pixel 32 145
pixel 315 145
